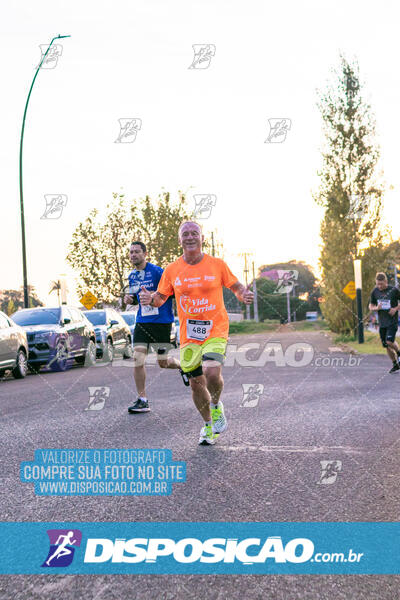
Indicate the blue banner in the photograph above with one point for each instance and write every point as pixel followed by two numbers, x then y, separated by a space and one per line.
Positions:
pixel 103 472
pixel 195 548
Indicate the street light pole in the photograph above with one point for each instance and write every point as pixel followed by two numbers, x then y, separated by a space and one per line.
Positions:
pixel 358 282
pixel 21 195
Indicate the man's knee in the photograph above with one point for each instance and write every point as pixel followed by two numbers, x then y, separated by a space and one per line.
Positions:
pixel 212 371
pixel 197 382
pixel 139 357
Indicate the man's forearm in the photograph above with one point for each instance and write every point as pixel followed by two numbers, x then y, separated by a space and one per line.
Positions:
pixel 238 289
pixel 157 299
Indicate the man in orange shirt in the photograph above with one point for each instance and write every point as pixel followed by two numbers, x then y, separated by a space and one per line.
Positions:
pixel 197 280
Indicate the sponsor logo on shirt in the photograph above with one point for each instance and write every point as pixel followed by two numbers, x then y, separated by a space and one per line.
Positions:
pixel 177 281
pixel 192 278
pixel 192 307
pixel 209 277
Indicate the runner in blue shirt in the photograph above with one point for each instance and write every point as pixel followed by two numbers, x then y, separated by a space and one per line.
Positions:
pixel 153 325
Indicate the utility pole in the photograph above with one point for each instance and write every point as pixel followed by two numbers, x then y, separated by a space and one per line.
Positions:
pixel 288 306
pixel 256 318
pixel 246 270
pixel 358 282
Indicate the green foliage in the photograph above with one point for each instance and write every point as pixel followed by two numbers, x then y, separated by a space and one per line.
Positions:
pixel 10 307
pixel 350 158
pixel 274 306
pixel 99 250
pixel 13 300
pixel 306 278
pixel 236 327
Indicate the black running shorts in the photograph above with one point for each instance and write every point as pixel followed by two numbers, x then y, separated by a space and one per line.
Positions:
pixel 153 333
pixel 387 334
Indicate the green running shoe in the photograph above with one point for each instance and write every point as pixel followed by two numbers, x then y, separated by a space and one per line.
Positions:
pixel 207 437
pixel 218 418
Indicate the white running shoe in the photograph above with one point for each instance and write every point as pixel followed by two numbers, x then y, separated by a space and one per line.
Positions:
pixel 207 436
pixel 218 418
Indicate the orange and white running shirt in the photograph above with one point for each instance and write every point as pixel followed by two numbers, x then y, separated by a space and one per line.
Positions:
pixel 199 299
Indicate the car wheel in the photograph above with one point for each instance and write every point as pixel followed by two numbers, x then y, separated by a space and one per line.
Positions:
pixel 21 367
pixel 90 356
pixel 60 361
pixel 2 373
pixel 108 353
pixel 128 352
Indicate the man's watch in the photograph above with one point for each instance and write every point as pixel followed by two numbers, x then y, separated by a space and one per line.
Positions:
pixel 151 301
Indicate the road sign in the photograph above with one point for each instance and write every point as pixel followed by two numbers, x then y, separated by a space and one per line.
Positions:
pixel 88 300
pixel 350 290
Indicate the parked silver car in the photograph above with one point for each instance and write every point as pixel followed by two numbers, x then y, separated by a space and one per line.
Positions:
pixel 13 348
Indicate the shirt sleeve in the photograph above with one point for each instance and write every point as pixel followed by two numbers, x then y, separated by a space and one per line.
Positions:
pixel 227 277
pixel 372 300
pixel 165 286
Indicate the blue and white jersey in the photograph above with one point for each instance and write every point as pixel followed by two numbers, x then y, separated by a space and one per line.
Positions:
pixel 149 278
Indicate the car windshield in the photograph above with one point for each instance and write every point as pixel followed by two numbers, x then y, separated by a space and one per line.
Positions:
pixel 37 316
pixel 96 318
pixel 130 319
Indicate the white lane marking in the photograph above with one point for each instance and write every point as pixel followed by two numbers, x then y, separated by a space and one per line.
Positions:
pixel 304 449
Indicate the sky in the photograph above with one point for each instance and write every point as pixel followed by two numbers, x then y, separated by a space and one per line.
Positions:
pixel 202 131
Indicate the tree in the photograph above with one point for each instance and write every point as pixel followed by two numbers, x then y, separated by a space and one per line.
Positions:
pixel 99 250
pixel 306 279
pixel 349 191
pixel 10 307
pixel 15 298
pixel 272 305
pixel 56 287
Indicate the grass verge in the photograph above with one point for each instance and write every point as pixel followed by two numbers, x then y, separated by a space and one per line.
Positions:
pixel 273 325
pixel 372 343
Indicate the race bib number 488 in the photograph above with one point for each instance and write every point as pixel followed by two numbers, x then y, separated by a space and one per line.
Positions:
pixel 198 330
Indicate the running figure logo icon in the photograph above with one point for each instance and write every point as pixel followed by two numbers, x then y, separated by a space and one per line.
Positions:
pixel 329 471
pixel 204 204
pixel 62 547
pixel 128 130
pixel 51 60
pixel 97 397
pixel 251 394
pixel 55 203
pixel 203 54
pixel 278 129
pixel 286 281
pixel 358 206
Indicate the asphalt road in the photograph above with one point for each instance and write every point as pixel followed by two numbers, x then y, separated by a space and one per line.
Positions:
pixel 265 467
